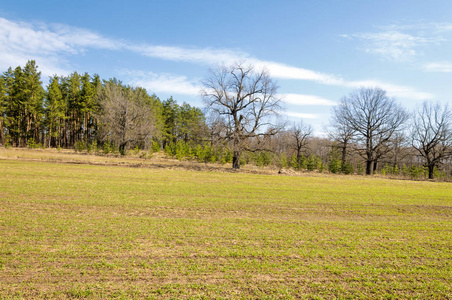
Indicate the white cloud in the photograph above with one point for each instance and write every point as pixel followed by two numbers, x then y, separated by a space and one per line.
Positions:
pixel 402 43
pixel 164 83
pixel 196 55
pixel 393 90
pixel 445 67
pixel 391 45
pixel 299 99
pixel 302 115
pixel 21 41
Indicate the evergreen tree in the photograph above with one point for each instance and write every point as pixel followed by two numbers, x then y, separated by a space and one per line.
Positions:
pixel 3 105
pixel 87 106
pixel 33 102
pixel 170 115
pixel 55 111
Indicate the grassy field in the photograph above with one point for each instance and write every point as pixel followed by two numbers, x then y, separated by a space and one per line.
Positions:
pixel 87 231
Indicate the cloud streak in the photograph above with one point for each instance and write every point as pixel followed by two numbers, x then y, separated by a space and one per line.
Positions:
pixel 444 67
pixel 302 115
pixel 164 83
pixel 305 100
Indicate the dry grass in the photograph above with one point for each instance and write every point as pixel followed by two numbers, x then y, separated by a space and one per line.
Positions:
pixel 90 231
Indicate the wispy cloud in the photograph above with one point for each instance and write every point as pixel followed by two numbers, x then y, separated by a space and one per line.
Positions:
pixel 391 45
pixel 445 67
pixel 21 41
pixel 302 115
pixel 299 99
pixel 195 55
pixel 402 43
pixel 164 83
pixel 393 90
pixel 52 44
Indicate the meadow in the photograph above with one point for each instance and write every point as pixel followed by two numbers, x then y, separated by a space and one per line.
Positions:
pixel 74 230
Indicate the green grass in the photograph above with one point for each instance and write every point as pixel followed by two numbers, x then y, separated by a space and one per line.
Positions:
pixel 80 231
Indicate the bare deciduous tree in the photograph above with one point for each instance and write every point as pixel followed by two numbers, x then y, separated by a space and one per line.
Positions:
pixel 300 134
pixel 126 115
pixel 244 100
pixel 375 118
pixel 431 134
pixel 341 132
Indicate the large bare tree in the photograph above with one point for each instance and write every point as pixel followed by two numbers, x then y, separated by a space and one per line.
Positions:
pixel 375 118
pixel 431 134
pixel 244 101
pixel 126 115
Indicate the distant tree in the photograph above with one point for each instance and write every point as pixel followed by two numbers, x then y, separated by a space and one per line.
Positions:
pixel 431 134
pixel 9 120
pixel 243 100
pixel 88 95
pixel 400 148
pixel 33 94
pixel 3 106
pixel 55 111
pixel 300 134
pixel 192 124
pixel 170 116
pixel 126 116
pixel 341 133
pixel 375 118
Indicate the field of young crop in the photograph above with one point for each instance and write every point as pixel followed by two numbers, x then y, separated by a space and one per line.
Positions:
pixel 85 231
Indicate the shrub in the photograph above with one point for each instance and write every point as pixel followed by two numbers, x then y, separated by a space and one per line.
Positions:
pixel 91 147
pixel 155 147
pixel 106 148
pixel 79 146
pixel 31 143
pixel 335 166
pixel 347 168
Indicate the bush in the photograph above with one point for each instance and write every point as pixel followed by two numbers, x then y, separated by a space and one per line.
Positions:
pixel 107 148
pixel 155 147
pixel 281 161
pixel 91 147
pixel 347 168
pixel 335 166
pixel 79 146
pixel 31 143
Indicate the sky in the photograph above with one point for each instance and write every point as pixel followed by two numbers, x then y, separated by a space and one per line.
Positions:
pixel 316 51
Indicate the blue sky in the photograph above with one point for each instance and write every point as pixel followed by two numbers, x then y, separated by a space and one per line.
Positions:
pixel 317 51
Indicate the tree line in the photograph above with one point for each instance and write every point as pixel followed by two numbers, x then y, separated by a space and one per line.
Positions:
pixel 241 124
pixel 83 109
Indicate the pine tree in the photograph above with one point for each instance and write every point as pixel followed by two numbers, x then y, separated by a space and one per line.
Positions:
pixel 87 104
pixel 33 101
pixel 3 105
pixel 55 111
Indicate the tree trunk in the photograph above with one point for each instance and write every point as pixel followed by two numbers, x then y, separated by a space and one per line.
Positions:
pixel 236 160
pixel 431 168
pixel 369 165
pixel 375 165
pixel 299 158
pixel 344 154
